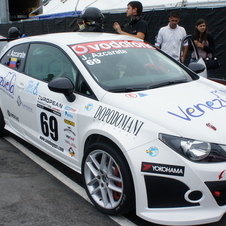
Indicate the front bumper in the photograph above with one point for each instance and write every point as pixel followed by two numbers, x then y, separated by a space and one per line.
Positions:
pixel 176 191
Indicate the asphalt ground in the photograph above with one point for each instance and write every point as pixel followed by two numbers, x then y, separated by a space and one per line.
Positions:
pixel 29 195
pixel 39 191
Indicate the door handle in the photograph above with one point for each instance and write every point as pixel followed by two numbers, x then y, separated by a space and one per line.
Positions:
pixel 20 86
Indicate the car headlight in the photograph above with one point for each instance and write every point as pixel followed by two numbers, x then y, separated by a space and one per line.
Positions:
pixel 195 150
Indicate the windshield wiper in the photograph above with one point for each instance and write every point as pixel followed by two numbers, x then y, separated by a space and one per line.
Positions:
pixel 168 83
pixel 126 90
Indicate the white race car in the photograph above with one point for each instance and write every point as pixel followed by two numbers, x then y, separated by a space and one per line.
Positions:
pixel 144 131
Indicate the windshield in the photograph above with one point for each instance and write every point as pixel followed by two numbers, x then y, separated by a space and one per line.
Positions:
pixel 121 66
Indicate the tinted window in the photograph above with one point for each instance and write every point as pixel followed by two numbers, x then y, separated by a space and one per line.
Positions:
pixel 46 62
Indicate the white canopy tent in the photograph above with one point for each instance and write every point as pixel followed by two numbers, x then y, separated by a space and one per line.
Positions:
pixel 59 6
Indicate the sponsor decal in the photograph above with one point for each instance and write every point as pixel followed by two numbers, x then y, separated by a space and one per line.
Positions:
pixel 71 152
pixel 221 174
pixel 88 107
pixel 70 137
pixel 158 168
pixel 131 95
pixel 13 116
pixel 49 109
pixel 49 142
pixel 67 108
pixel 198 110
pixel 7 84
pixel 66 113
pixel 56 109
pixel 12 62
pixel 69 122
pixel 142 94
pixel 49 105
pixel 118 120
pixel 50 102
pixel 152 151
pixel 24 106
pixel 12 53
pixel 211 126
pixel 71 144
pixel 69 130
pixel 93 47
pixel 32 88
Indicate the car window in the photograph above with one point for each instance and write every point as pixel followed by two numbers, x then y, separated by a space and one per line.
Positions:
pixel 83 87
pixel 46 62
pixel 15 57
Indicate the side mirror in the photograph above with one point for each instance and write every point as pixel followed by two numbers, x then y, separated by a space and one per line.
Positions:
pixel 196 67
pixel 63 85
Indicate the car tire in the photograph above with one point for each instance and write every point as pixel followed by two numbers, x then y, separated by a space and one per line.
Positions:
pixel 107 179
pixel 2 124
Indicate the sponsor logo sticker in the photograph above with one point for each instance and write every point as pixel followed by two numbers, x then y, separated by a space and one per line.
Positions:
pixel 215 103
pixel 118 120
pixel 93 47
pixel 152 151
pixel 88 107
pixel 159 168
pixel 221 174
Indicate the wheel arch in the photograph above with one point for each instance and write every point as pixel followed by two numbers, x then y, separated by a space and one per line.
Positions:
pixel 101 139
pixel 94 138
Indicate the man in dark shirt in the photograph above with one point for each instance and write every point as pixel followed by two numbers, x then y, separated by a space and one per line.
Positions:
pixel 137 26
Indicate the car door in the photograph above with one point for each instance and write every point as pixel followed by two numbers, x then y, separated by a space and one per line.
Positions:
pixel 49 119
pixel 192 48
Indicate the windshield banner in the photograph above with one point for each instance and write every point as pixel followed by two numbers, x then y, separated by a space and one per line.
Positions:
pixel 92 47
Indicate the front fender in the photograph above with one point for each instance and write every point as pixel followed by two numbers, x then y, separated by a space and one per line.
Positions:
pixel 126 130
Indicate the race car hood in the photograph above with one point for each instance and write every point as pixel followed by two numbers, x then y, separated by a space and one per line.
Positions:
pixel 195 109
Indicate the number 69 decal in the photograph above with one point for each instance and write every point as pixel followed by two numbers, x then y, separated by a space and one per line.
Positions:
pixel 49 126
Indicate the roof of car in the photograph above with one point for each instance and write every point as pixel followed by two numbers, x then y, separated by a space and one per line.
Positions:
pixel 74 37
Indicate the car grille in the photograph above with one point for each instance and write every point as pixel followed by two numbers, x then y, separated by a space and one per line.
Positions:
pixel 165 192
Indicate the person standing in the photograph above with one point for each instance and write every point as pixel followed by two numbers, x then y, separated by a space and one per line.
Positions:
pixel 204 41
pixel 137 26
pixel 169 38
